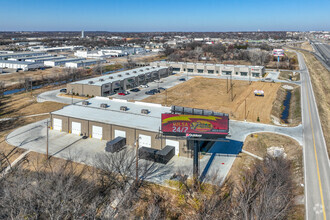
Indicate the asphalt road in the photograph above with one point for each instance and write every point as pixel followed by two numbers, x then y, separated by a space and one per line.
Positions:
pixel 323 50
pixel 316 160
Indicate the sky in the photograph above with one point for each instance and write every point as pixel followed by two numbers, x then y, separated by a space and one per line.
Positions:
pixel 164 15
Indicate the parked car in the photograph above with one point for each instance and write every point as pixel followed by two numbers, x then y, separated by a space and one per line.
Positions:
pixel 161 88
pixel 182 79
pixel 135 90
pixel 63 90
pixel 123 93
pixel 158 81
pixel 144 86
pixel 150 92
pixel 155 91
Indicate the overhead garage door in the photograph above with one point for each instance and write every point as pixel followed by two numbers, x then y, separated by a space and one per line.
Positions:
pixel 57 124
pixel 175 144
pixel 97 132
pixel 76 128
pixel 144 141
pixel 119 133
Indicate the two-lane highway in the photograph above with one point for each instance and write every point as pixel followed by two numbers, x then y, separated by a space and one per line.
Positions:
pixel 316 160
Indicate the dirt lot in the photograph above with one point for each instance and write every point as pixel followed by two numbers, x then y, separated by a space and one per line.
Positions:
pixel 320 78
pixel 258 144
pixel 206 93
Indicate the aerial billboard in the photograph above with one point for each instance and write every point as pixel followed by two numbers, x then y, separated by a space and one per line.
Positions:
pixel 278 52
pixel 195 125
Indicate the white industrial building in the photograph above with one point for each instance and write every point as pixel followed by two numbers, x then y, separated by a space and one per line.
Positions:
pixel 21 54
pixel 55 49
pixel 209 68
pixel 97 54
pixel 29 58
pixel 61 62
pixel 43 59
pixel 19 65
pixel 84 63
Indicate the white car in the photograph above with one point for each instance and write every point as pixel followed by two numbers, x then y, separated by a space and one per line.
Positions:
pixel 144 86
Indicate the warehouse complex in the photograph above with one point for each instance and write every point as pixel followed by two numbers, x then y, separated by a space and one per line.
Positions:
pixel 106 119
pixel 107 84
pixel 207 68
pixel 24 54
pixel 61 62
pixel 19 64
pixel 83 63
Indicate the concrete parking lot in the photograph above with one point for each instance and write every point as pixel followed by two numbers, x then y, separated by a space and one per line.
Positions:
pixel 70 146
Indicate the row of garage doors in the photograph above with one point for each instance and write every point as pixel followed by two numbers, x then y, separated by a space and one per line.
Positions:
pixel 97 132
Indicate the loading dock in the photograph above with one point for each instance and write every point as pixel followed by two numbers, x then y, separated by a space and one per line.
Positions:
pixel 97 132
pixel 76 128
pixel 57 124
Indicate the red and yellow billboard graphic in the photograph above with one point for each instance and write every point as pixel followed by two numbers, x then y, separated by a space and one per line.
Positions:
pixel 174 124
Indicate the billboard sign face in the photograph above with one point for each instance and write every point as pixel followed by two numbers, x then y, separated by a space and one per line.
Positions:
pixel 195 125
pixel 278 52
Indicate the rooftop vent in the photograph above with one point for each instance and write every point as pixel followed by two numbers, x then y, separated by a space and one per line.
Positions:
pixel 144 111
pixel 103 105
pixel 101 80
pixel 90 82
pixel 127 73
pixel 110 77
pixel 141 70
pixel 85 103
pixel 134 71
pixel 147 68
pixel 123 108
pixel 154 67
pixel 119 75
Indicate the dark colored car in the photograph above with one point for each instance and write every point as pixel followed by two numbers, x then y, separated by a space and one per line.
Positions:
pixel 155 91
pixel 182 79
pixel 161 88
pixel 150 93
pixel 63 90
pixel 135 90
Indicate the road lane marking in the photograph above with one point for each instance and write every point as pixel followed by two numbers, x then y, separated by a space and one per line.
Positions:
pixel 317 162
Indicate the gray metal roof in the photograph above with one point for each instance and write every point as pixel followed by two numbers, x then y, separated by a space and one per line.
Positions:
pixel 89 61
pixel 68 60
pixel 133 118
pixel 46 58
pixel 17 62
pixel 119 76
pixel 208 64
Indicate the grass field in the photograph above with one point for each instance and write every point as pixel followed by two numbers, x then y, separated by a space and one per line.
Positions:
pixel 206 93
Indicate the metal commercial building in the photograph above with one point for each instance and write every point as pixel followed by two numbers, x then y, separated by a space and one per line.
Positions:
pixel 107 84
pixel 83 63
pixel 29 58
pixel 19 65
pixel 22 54
pixel 106 119
pixel 44 59
pixel 207 68
pixel 61 62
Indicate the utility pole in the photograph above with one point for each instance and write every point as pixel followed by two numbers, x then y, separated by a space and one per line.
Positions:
pixel 137 161
pixel 47 139
pixel 227 84
pixel 245 110
pixel 71 96
pixel 31 86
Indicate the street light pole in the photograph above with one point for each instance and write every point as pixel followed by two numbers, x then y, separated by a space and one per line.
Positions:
pixel 137 161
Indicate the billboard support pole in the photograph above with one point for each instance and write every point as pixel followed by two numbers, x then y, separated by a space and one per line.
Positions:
pixel 196 161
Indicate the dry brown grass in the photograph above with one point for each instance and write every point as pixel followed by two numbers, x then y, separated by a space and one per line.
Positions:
pixel 206 93
pixel 320 78
pixel 258 144
pixel 306 46
pixel 286 75
pixel 75 96
pixel 18 105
